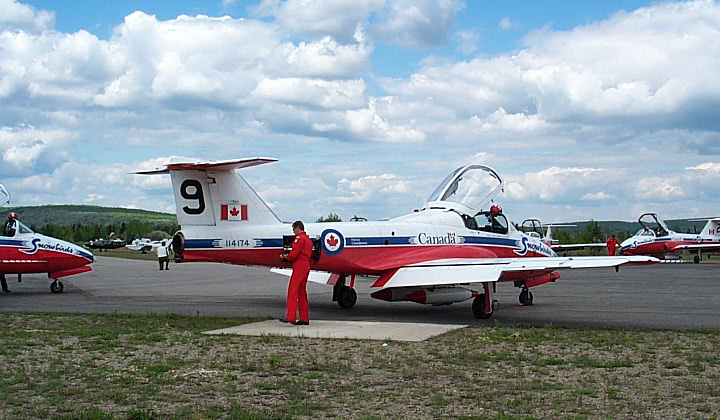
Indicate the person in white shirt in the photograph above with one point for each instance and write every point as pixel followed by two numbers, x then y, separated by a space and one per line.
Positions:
pixel 162 254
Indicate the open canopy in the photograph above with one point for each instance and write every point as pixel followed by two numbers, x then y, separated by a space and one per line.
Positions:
pixel 467 189
pixel 652 225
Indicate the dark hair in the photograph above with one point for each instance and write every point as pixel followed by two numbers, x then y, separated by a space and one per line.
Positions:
pixel 298 224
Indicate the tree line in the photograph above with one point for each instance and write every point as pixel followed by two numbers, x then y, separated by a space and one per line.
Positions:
pixel 128 231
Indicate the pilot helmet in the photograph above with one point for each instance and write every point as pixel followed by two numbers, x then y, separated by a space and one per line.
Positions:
pixel 495 210
pixel 12 215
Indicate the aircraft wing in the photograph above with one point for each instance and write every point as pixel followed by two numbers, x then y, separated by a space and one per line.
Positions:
pixel 463 271
pixel 452 271
pixel 700 246
pixel 575 247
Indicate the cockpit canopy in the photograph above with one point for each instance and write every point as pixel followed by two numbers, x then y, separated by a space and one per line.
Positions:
pixel 652 225
pixel 467 189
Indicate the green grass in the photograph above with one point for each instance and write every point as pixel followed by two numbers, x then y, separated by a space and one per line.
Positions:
pixel 66 366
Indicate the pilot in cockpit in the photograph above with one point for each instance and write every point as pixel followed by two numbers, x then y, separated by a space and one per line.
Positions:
pixel 489 221
pixel 10 225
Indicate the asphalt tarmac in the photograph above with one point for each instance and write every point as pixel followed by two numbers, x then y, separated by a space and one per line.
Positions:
pixel 663 296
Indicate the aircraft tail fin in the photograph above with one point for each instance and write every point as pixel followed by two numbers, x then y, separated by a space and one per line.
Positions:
pixel 213 193
pixel 712 227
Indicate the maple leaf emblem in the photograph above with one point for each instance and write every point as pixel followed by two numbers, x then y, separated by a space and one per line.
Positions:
pixel 234 212
pixel 332 241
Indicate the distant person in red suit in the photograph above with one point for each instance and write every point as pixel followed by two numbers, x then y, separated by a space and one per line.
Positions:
pixel 611 244
pixel 299 255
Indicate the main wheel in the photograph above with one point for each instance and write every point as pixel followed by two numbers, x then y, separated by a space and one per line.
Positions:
pixel 526 297
pixel 56 286
pixel 478 307
pixel 347 297
pixel 696 259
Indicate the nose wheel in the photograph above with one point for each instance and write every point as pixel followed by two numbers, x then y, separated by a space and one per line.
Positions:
pixel 56 286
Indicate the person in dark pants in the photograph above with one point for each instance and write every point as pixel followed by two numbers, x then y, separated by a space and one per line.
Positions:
pixel 3 283
pixel 162 253
pixel 299 255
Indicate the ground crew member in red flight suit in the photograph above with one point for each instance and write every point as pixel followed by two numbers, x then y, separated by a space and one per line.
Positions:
pixel 611 243
pixel 297 299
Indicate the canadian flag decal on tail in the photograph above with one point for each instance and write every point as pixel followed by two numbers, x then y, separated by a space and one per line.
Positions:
pixel 233 212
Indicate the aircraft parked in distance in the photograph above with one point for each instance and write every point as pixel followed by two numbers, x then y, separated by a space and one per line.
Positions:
pixel 457 247
pixel 534 228
pixel 23 251
pixel 656 239
pixel 144 245
pixel 105 244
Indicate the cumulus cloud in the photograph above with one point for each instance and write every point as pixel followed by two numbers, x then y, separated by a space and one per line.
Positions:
pixel 599 196
pixel 417 24
pixel 554 183
pixel 318 18
pixel 21 17
pixel 657 189
pixel 625 108
pixel 414 24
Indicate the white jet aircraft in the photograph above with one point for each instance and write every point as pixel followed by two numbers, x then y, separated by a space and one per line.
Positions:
pixel 655 238
pixel 534 228
pixel 144 245
pixel 455 248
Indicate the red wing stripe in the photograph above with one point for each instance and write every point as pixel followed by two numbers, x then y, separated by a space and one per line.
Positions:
pixel 384 278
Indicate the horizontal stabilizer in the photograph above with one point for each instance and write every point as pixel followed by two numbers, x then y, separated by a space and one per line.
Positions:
pixel 218 166
pixel 320 277
pixel 576 247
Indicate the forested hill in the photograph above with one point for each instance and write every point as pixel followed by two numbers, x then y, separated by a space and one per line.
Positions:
pixel 66 215
pixel 616 227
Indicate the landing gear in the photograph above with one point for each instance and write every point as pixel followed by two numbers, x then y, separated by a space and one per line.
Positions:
pixel 478 307
pixel 484 305
pixel 696 259
pixel 345 296
pixel 56 286
pixel 526 297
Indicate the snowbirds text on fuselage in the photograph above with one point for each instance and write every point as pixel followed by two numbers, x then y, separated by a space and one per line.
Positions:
pixel 23 251
pixel 455 248
pixel 656 239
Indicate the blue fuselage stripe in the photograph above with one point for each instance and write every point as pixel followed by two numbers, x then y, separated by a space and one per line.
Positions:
pixel 361 241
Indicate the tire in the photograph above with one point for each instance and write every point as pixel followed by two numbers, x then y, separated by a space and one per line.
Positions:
pixel 56 286
pixel 526 297
pixel 696 259
pixel 347 298
pixel 478 307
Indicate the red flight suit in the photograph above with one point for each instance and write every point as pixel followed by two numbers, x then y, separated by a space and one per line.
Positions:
pixel 297 294
pixel 611 244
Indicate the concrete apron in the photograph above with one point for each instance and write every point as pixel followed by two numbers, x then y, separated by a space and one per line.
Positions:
pixel 356 330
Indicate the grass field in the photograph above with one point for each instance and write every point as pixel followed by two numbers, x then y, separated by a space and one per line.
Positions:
pixel 64 366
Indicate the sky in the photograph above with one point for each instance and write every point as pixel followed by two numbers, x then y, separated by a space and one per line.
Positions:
pixel 588 110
